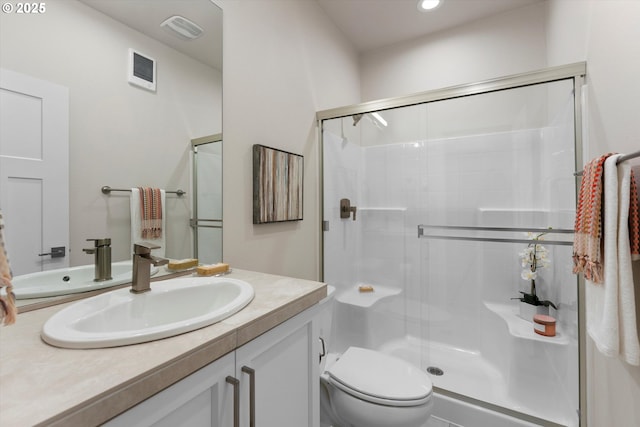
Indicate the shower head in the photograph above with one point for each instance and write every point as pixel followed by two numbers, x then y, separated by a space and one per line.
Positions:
pixel 374 117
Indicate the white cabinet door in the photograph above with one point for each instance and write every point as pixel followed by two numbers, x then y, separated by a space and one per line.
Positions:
pixel 203 399
pixel 285 365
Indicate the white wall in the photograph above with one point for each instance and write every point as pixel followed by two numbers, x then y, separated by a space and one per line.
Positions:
pixel 605 34
pixel 508 43
pixel 120 135
pixel 283 61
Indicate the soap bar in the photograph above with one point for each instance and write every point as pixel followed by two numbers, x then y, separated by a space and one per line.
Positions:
pixel 365 288
pixel 210 270
pixel 182 264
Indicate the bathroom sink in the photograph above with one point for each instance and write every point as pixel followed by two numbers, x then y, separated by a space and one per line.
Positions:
pixel 70 280
pixel 172 307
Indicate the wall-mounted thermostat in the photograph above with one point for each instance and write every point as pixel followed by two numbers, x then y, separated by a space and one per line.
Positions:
pixel 142 70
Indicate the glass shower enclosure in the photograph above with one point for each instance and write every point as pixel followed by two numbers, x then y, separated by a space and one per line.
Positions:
pixel 450 193
pixel 206 165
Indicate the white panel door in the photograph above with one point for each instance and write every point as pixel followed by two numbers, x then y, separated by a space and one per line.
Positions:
pixel 34 170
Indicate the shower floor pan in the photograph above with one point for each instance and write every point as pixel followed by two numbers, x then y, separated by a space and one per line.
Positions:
pixel 467 376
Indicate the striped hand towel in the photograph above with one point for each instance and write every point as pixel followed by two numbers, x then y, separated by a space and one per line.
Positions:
pixel 588 257
pixel 151 212
pixel 587 254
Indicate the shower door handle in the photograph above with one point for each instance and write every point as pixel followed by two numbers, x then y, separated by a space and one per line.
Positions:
pixel 346 209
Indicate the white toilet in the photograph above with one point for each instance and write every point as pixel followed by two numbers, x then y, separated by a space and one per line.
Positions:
pixel 366 388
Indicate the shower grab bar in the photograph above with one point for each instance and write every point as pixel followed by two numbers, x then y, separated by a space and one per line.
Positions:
pixel 107 190
pixel 489 239
pixel 422 227
pixel 620 160
pixel 513 229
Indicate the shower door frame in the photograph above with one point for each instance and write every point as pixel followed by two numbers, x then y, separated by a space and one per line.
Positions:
pixel 575 72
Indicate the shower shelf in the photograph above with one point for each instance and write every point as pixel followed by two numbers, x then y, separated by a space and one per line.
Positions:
pixel 520 328
pixel 353 296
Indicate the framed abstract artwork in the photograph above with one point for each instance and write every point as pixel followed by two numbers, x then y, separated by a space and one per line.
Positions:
pixel 277 185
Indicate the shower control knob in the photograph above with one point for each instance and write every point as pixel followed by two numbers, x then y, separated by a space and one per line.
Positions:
pixel 346 209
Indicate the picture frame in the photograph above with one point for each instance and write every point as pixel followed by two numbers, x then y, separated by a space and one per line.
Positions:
pixel 278 179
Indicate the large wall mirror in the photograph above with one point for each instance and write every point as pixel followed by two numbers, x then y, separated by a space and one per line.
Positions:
pixel 119 134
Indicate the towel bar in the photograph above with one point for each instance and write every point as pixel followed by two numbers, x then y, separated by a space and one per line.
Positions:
pixel 107 190
pixel 620 160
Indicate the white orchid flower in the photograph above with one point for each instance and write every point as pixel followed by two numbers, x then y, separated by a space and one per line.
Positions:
pixel 533 257
pixel 528 274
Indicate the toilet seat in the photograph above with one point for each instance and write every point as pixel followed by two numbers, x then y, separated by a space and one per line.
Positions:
pixel 379 378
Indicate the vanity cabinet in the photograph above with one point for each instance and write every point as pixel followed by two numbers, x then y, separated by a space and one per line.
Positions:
pixel 270 381
pixel 204 398
pixel 284 364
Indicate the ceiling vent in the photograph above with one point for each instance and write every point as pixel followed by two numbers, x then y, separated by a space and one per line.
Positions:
pixel 182 27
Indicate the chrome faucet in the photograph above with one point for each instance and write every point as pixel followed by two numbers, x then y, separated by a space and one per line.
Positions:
pixel 142 262
pixel 102 258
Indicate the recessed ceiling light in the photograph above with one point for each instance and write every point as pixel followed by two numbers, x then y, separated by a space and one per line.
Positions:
pixel 427 5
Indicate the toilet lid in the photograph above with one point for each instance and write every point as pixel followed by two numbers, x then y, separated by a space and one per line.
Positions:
pixel 380 378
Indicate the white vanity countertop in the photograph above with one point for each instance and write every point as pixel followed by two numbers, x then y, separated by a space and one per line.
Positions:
pixel 45 385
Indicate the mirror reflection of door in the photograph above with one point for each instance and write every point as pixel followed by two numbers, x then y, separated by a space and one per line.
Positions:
pixel 34 176
pixel 207 202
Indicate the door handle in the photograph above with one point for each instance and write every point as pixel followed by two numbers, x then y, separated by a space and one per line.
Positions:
pixel 236 399
pixel 56 252
pixel 346 209
pixel 252 394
